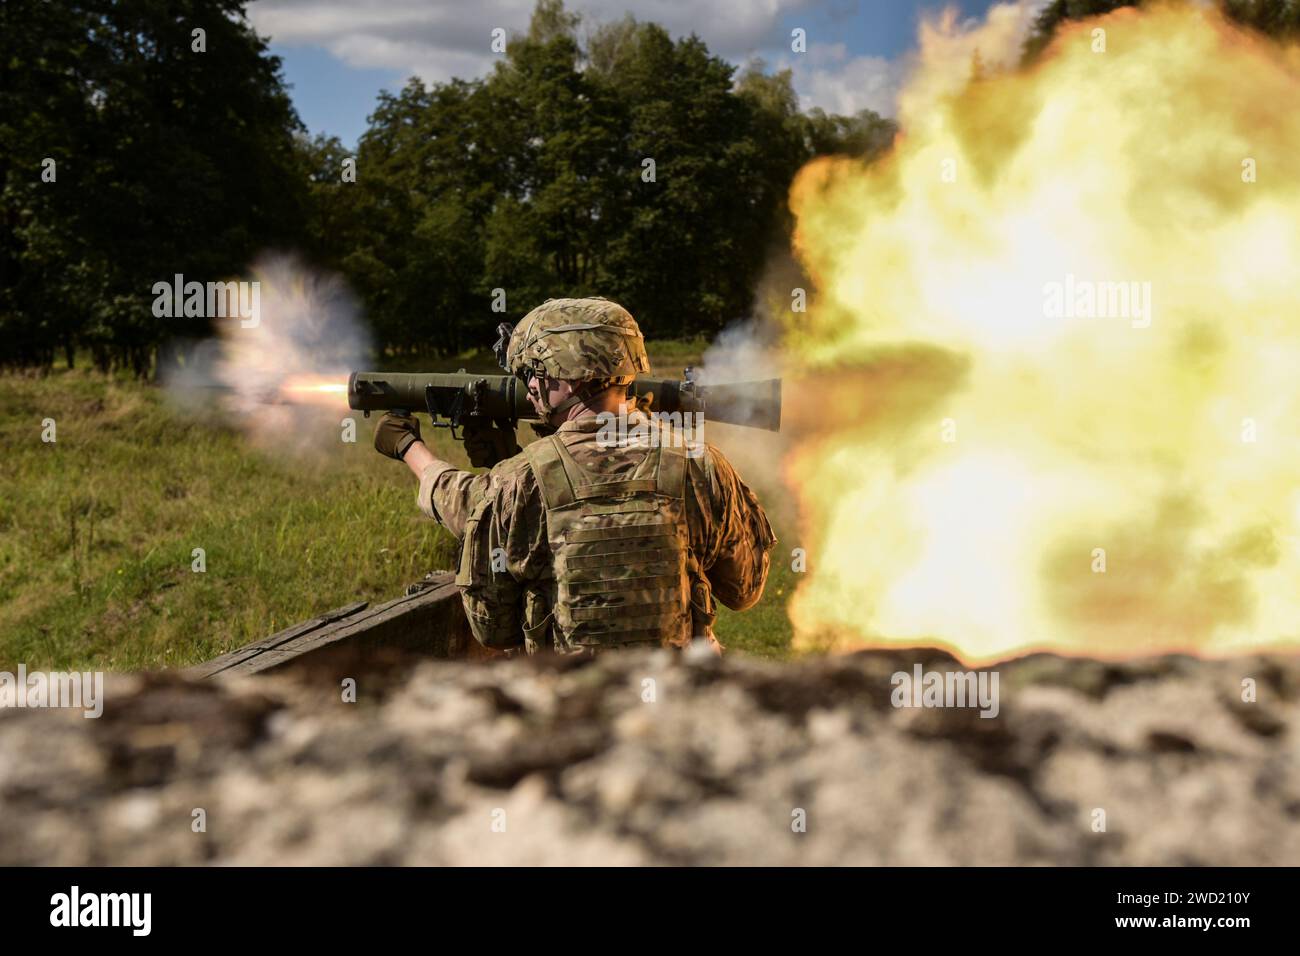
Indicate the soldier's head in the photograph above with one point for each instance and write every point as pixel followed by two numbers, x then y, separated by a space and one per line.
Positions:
pixel 576 352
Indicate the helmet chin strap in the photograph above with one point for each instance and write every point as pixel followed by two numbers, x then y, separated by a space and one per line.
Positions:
pixel 580 397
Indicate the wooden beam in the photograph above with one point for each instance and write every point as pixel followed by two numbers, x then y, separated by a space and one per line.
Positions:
pixel 429 620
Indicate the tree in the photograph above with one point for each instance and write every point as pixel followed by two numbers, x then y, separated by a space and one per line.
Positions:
pixel 631 165
pixel 1057 12
pixel 174 154
pixel 1277 18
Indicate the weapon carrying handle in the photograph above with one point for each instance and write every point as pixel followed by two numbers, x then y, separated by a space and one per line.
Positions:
pixel 453 413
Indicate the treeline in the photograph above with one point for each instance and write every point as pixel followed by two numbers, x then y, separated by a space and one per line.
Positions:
pixel 635 166
pixel 1277 18
pixel 140 139
pixel 144 138
pixel 128 155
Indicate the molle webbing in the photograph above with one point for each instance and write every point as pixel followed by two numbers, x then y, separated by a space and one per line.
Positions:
pixel 564 481
pixel 620 548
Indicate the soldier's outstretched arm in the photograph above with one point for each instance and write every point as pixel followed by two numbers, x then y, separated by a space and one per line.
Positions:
pixel 447 494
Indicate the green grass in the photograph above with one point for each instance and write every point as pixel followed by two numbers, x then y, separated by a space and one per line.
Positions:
pixel 763 630
pixel 97 532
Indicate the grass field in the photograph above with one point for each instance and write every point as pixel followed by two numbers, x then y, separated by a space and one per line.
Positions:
pixel 98 529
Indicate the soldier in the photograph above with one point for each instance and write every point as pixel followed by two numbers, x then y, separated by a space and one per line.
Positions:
pixel 580 542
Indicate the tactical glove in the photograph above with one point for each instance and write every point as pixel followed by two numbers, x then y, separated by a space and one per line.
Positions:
pixel 487 443
pixel 395 434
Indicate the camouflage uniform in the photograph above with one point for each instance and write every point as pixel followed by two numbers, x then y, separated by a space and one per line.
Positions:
pixel 590 541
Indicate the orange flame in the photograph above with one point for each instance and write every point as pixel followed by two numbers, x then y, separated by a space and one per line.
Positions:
pixel 313 389
pixel 1041 464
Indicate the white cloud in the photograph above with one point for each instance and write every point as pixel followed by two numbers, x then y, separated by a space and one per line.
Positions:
pixel 828 77
pixel 434 40
pixel 439 39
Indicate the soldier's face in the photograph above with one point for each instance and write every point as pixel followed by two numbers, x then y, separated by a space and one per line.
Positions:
pixel 555 391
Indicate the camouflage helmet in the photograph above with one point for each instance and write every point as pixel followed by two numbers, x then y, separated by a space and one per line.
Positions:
pixel 578 340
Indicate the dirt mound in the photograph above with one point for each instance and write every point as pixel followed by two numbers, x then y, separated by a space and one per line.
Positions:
pixel 648 758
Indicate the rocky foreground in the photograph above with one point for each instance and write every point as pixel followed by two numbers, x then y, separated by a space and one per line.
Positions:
pixel 740 762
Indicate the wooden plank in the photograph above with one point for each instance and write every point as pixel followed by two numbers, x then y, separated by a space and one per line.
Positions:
pixel 429 621
pixel 240 654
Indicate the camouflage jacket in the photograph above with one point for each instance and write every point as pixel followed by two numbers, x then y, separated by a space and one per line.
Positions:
pixel 500 517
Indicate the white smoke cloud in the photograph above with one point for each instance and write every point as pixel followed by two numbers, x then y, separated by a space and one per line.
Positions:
pixel 310 334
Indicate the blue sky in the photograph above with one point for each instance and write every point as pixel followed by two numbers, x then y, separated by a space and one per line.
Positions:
pixel 338 54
